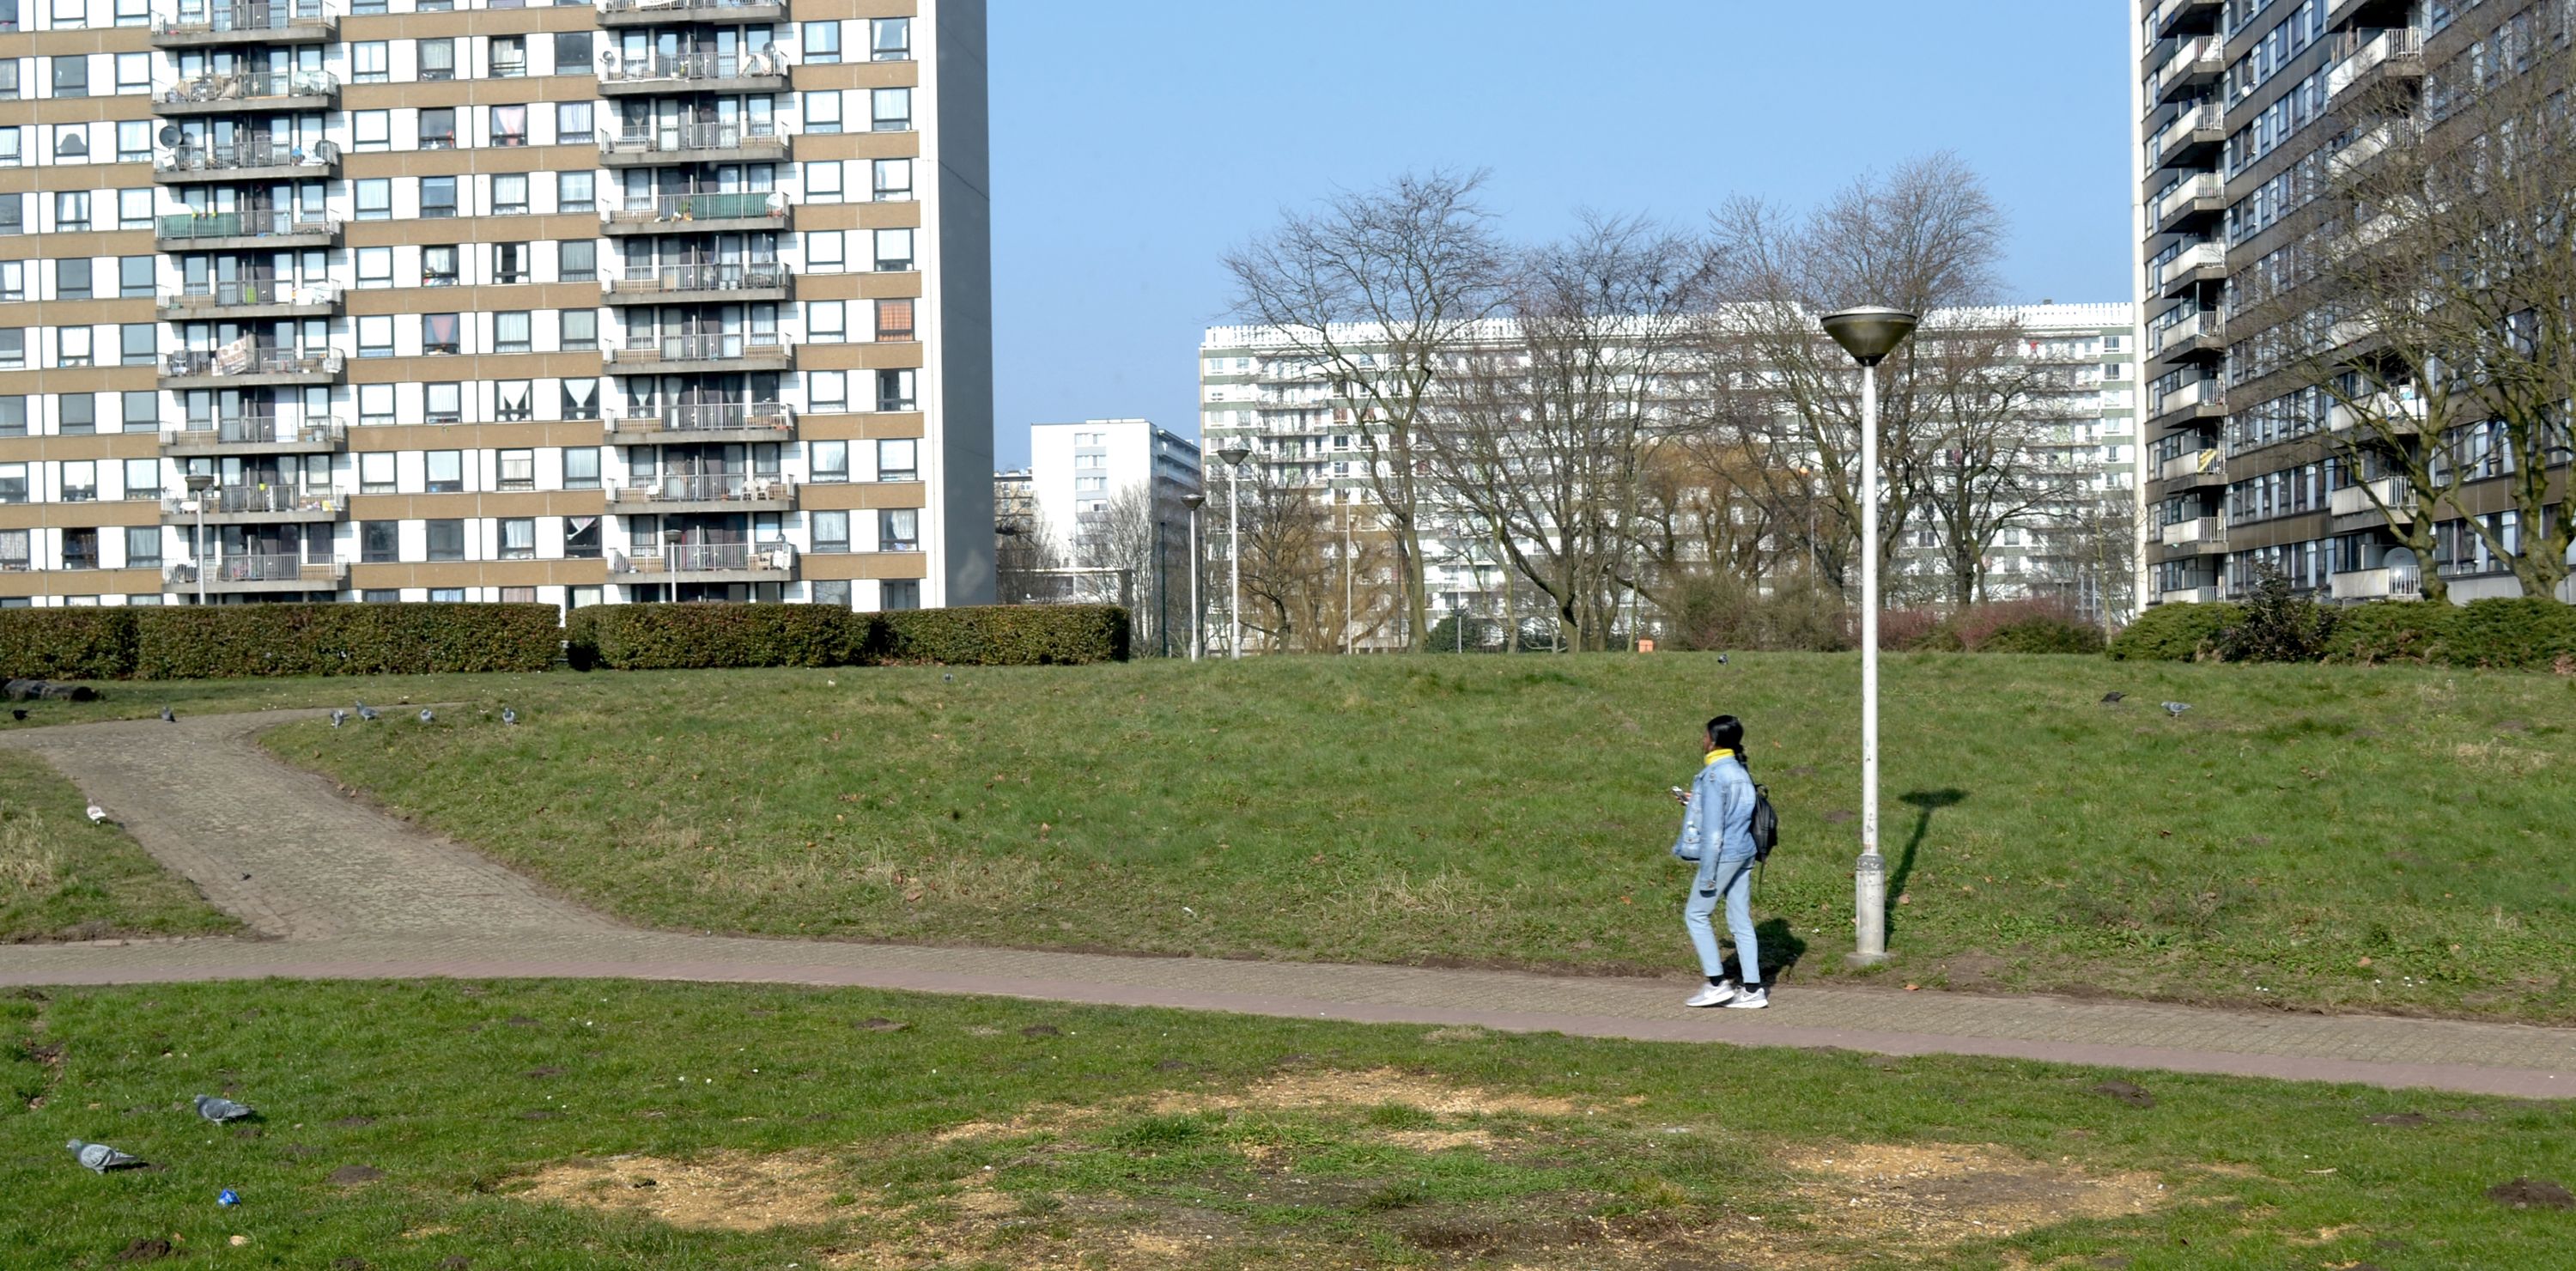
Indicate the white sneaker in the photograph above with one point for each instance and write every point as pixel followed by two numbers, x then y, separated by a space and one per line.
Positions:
pixel 1713 995
pixel 1752 999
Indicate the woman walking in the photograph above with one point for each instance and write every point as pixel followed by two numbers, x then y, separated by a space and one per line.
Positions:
pixel 1717 835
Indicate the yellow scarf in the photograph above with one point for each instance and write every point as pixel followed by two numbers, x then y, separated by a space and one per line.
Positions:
pixel 1715 755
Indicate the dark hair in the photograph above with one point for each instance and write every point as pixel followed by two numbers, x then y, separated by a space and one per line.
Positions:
pixel 1726 732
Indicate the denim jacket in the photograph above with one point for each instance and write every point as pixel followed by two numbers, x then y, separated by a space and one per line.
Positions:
pixel 1720 816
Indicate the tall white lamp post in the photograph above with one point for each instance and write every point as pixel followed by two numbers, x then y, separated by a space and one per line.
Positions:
pixel 1194 501
pixel 1234 456
pixel 1869 334
pixel 200 484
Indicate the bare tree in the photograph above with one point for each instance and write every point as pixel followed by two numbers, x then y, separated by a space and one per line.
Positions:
pixel 1026 549
pixel 1990 398
pixel 1373 292
pixel 1288 563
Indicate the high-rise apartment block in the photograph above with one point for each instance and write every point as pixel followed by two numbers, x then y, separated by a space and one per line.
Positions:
pixel 1078 471
pixel 473 300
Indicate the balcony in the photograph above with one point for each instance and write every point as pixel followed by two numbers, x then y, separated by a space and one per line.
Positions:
pixel 2199 127
pixel 2362 149
pixel 702 214
pixel 2202 534
pixel 2381 413
pixel 2188 596
pixel 2198 61
pixel 2355 501
pixel 2378 584
pixel 253 298
pixel 260 504
pixel 247 91
pixel 2202 332
pixel 677 354
pixel 2390 56
pixel 2195 468
pixel 252 435
pixel 670 12
pixel 245 161
pixel 2199 399
pixel 2197 264
pixel 717 142
pixel 2183 202
pixel 702 71
pixel 710 563
pixel 700 283
pixel 272 228
pixel 284 572
pixel 246 367
pixel 704 421
pixel 201 25
pixel 706 492
pixel 2170 15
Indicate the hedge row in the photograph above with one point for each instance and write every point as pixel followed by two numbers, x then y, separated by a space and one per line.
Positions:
pixel 2173 633
pixel 2509 634
pixel 691 636
pixel 234 641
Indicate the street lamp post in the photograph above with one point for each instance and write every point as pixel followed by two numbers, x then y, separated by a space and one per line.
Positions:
pixel 1162 592
pixel 1869 334
pixel 198 484
pixel 1234 456
pixel 1193 501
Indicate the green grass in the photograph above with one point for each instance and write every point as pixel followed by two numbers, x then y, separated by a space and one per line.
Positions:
pixel 2338 837
pixel 513 1123
pixel 62 878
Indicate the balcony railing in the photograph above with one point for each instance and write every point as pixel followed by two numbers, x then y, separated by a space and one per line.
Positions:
pixel 682 208
pixel 2201 531
pixel 240 156
pixel 2185 193
pixel 2200 56
pixel 710 417
pixel 250 87
pixel 233 499
pixel 2382 411
pixel 251 362
pixel 2355 500
pixel 266 17
pixel 679 8
pixel 699 348
pixel 2188 595
pixel 703 277
pixel 2402 46
pixel 243 293
pixel 2173 136
pixel 2379 584
pixel 2190 463
pixel 2195 393
pixel 265 223
pixel 703 64
pixel 681 138
pixel 283 567
pixel 703 487
pixel 254 430
pixel 2196 256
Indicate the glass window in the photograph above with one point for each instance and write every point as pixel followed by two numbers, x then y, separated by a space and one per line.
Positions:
pixel 897 594
pixel 379 542
pixel 438 128
pixel 894 250
pixel 134 277
pixel 581 399
pixel 575 191
pixel 893 180
pixel 514 401
pixel 370 62
pixel 832 593
pixel 133 210
pixel 509 193
pixel 142 543
pixel 822 42
pixel 572 122
pixel 375 198
pixel 823 181
pixel 899 530
pixel 439 266
pixel 444 595
pixel 580 330
pixel 831 531
pixel 71 76
pixel 376 408
pixel 890 109
pixel 581 468
pixel 13 489
pixel 823 111
pixel 510 331
pixel 376 335
pixel 896 460
pixel 133 72
pixel 572 56
pixel 512 263
pixel 509 56
pixel 894 319
pixel 518 538
pixel 441 333
pixel 375 266
pixel 437 58
pixel 142 413
pixel 371 129
pixel 437 196
pixel 894 390
pixel 447 540
pixel 71 210
pixel 80 483
pixel 143 478
pixel 830 461
pixel 581 537
pixel 72 346
pixel 824 321
pixel 889 39
pixel 446 471
pixel 71 143
pixel 137 344
pixel 445 402
pixel 13 416
pixel 134 141
pixel 577 260
pixel 376 471
pixel 71 278
pixel 823 249
pixel 78 413
pixel 13 347
pixel 510 126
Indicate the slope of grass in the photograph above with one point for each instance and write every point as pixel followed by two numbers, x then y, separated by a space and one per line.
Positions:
pixel 562 1125
pixel 62 878
pixel 2317 836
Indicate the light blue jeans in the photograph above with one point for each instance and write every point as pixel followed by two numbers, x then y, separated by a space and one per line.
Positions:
pixel 1735 881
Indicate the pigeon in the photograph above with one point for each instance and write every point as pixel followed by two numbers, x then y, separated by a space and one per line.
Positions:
pixel 2176 709
pixel 338 717
pixel 101 1158
pixel 1721 659
pixel 218 1109
pixel 368 712
pixel 97 815
pixel 948 677
pixel 509 716
pixel 426 717
pixel 168 716
pixel 2112 698
pixel 19 715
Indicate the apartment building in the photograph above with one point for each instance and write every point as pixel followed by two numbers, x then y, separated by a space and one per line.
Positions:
pixel 2247 110
pixel 470 300
pixel 1077 470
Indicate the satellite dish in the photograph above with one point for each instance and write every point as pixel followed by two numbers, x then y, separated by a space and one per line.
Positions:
pixel 327 151
pixel 169 134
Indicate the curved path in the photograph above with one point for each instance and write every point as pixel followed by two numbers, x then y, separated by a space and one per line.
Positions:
pixel 338 890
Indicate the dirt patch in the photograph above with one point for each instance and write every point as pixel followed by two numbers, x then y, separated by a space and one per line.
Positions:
pixel 2531 1193
pixel 1948 1193
pixel 721 1191
pixel 2132 1095
pixel 143 1250
pixel 1442 1140
pixel 2403 1120
pixel 354 1175
pixel 1367 1089
pixel 1464 1033
pixel 1047 1120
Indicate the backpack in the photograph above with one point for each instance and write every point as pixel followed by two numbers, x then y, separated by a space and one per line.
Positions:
pixel 1765 826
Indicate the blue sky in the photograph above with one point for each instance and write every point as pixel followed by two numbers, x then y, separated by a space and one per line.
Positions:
pixel 1133 143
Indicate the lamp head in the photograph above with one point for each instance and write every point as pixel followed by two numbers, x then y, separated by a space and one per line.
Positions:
pixel 1193 500
pixel 201 481
pixel 1869 333
pixel 1234 455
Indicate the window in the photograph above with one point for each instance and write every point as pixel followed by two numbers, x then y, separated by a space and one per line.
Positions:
pixel 511 263
pixel 509 56
pixel 80 481
pixel 71 76
pixel 830 461
pixel 133 73
pixel 896 460
pixel 510 331
pixel 572 56
pixel 13 489
pixel 581 468
pixel 133 210
pixel 510 126
pixel 375 198
pixel 143 478
pixel 896 594
pixel 13 280
pixel 379 542
pixel 141 411
pixel 831 531
pixel 71 143
pixel 376 407
pixel 581 399
pixel 514 401
pixel 13 212
pixel 893 181
pixel 575 191
pixel 78 413
pixel 9 78
pixel 509 194
pixel 13 347
pixel 581 538
pixel 825 322
pixel 438 128
pixel 369 62
pixel 134 277
pixel 10 154
pixel 446 471
pixel 142 542
pixel 894 250
pixel 894 319
pixel 438 265
pixel 823 111
pixel 376 470
pixel 577 260
pixel 823 251
pixel 572 122
pixel 822 43
pixel 444 403
pixel 890 109
pixel 580 330
pixel 437 197
pixel 133 12
pixel 375 266
pixel 894 390
pixel 376 335
pixel 889 39
pixel 72 346
pixel 832 593
pixel 71 210
pixel 823 181
pixel 440 333
pixel 13 416
pixel 134 141
pixel 827 391
pixel 371 129
pixel 444 595
pixel 137 344
pixel 899 530
pixel 71 278
pixel 447 540
pixel 437 59
pixel 518 538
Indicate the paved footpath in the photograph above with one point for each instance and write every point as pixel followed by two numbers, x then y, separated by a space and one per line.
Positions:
pixel 340 891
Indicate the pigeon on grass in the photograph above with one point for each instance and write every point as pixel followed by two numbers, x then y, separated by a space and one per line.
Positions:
pixel 218 1109
pixel 2113 697
pixel 426 717
pixel 369 713
pixel 100 1158
pixel 2176 709
pixel 338 717
pixel 169 716
pixel 98 815
pixel 509 716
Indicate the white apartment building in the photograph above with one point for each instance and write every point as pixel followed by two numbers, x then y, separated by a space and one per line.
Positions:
pixel 473 300
pixel 1077 470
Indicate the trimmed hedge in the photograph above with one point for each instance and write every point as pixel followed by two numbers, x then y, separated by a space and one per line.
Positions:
pixel 2390 631
pixel 2173 633
pixel 188 642
pixel 2525 633
pixel 699 636
pixel 67 644
pixel 2044 635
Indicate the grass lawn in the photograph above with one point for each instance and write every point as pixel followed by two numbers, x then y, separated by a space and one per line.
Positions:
pixel 62 878
pixel 2389 839
pixel 558 1125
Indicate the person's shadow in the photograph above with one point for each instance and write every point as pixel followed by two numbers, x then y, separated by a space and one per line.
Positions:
pixel 1923 801
pixel 1781 948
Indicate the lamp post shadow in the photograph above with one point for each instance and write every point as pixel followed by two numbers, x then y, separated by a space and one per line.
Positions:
pixel 1924 802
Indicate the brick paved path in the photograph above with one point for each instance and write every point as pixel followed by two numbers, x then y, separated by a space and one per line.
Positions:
pixel 348 892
